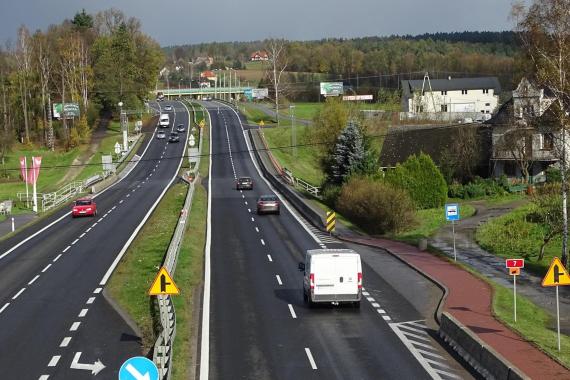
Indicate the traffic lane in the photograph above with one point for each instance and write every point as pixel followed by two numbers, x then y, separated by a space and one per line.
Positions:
pixel 81 280
pixel 51 307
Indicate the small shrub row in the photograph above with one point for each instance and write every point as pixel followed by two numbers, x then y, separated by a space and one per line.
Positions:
pixel 478 188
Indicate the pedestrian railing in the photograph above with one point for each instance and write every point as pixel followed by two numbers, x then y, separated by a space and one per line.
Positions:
pixel 163 347
pixel 314 190
pixel 61 196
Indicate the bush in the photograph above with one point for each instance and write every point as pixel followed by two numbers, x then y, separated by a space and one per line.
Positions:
pixel 330 194
pixel 553 175
pixel 479 188
pixel 377 207
pixel 423 181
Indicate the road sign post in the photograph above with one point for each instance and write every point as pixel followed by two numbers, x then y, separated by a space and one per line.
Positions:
pixel 452 215
pixel 556 276
pixel 514 266
pixel 163 284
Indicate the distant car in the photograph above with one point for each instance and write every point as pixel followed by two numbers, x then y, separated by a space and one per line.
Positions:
pixel 174 138
pixel 84 207
pixel 168 108
pixel 181 128
pixel 268 204
pixel 244 183
pixel 160 135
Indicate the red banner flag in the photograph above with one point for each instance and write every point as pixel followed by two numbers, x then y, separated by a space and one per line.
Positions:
pixel 24 169
pixel 34 171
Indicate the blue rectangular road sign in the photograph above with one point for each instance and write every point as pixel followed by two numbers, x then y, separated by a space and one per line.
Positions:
pixel 452 211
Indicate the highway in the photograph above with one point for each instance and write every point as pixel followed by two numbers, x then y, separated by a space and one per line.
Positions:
pixel 258 326
pixel 56 321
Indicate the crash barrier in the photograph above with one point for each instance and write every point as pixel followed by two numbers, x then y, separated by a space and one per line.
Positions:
pixel 163 347
pixel 489 363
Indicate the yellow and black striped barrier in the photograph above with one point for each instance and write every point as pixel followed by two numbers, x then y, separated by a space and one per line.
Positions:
pixel 331 221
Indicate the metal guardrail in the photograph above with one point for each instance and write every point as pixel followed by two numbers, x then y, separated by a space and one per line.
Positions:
pixel 314 190
pixel 163 347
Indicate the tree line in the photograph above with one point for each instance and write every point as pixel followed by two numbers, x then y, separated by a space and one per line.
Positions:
pixel 94 61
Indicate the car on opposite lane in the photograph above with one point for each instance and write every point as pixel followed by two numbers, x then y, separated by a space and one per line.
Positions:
pixel 84 207
pixel 168 108
pixel 268 204
pixel 244 183
pixel 180 128
pixel 174 138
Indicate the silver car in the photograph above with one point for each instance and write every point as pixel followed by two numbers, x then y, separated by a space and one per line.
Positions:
pixel 268 204
pixel 160 135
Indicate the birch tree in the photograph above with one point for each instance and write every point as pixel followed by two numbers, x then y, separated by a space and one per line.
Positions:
pixel 277 51
pixel 544 28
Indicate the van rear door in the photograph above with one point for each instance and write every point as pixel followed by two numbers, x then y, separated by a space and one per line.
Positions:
pixel 346 270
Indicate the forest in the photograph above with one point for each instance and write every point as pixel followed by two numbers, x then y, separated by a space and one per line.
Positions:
pixel 93 61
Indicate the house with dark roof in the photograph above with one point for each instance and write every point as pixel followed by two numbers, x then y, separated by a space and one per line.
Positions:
pixel 525 143
pixel 455 95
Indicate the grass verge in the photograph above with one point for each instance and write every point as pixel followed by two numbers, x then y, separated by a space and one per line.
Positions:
pixel 132 278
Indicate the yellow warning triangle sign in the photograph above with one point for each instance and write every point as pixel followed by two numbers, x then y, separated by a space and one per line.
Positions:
pixel 163 284
pixel 556 275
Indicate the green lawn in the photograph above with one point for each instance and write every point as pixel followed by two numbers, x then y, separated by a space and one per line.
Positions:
pixel 134 275
pixel 307 111
pixel 305 165
pixel 429 221
pixel 107 146
pixel 513 235
pixel 53 168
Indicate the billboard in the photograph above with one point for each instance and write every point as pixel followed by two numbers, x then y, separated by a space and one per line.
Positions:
pixel 332 88
pixel 259 93
pixel 357 97
pixel 71 110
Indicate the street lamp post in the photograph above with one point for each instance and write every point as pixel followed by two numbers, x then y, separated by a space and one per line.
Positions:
pixel 124 128
pixel 293 130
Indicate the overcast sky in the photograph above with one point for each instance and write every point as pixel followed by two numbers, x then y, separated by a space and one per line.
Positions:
pixel 173 22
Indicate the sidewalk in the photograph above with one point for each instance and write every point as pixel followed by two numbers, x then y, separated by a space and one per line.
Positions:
pixel 469 301
pixel 19 221
pixel 493 267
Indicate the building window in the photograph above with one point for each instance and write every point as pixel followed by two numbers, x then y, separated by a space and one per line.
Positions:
pixel 547 141
pixel 485 91
pixel 444 93
pixel 487 104
pixel 444 108
pixel 463 92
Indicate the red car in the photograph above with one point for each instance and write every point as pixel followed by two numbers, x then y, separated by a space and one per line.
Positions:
pixel 84 207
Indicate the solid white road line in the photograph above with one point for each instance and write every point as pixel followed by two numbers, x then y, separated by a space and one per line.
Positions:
pixel 90 300
pixel 278 279
pixel 34 279
pixel 4 307
pixel 66 249
pixel 18 294
pixel 292 311
pixel 83 313
pixel 151 209
pixel 74 326
pixel 65 341
pixel 311 359
pixel 46 268
pixel 57 258
pixel 205 338
pixel 54 360
pixel 269 258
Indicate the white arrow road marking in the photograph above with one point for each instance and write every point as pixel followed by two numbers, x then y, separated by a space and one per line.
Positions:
pixel 95 368
pixel 136 374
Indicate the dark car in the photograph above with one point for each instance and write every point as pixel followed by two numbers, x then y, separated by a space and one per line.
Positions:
pixel 244 183
pixel 268 204
pixel 181 128
pixel 174 138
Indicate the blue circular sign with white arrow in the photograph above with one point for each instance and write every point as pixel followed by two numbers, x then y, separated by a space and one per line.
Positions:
pixel 138 368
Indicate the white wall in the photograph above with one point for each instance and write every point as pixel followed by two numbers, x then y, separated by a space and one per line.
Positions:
pixel 473 101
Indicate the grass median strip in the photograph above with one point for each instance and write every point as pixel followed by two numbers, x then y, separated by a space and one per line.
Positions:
pixel 133 277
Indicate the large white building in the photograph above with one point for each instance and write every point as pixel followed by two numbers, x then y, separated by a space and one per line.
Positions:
pixel 457 95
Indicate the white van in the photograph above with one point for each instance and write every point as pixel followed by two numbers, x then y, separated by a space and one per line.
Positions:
pixel 164 120
pixel 332 275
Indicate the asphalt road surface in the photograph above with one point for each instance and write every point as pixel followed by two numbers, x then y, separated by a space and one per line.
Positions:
pixel 258 324
pixel 55 321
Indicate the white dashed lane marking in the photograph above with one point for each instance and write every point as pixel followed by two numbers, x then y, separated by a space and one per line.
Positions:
pixel 83 234
pixel 75 241
pixel 66 249
pixel 19 293
pixel 83 313
pixel 46 268
pixel 311 359
pixel 269 258
pixel 98 290
pixel 74 326
pixel 4 307
pixel 292 311
pixel 278 279
pixel 65 341
pixel 33 279
pixel 90 300
pixel 54 360
pixel 57 258
pixel 262 242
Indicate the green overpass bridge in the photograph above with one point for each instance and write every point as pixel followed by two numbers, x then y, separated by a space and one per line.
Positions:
pixel 215 92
